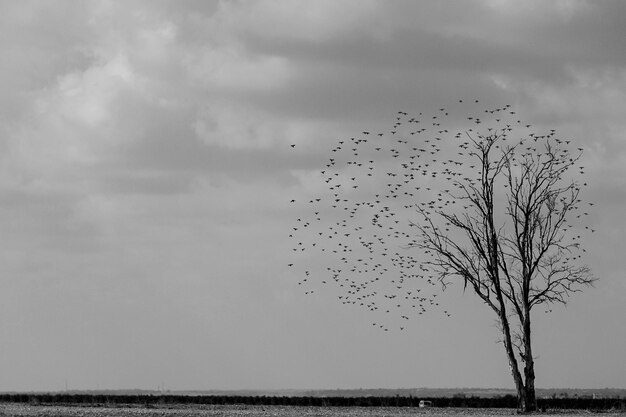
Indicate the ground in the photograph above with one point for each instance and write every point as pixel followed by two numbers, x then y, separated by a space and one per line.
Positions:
pixel 262 411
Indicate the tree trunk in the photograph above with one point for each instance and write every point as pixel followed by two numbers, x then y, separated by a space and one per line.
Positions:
pixel 527 402
pixel 529 368
pixel 526 398
pixel 513 365
pixel 525 388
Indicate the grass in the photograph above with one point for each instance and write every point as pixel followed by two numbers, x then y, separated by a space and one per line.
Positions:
pixel 12 409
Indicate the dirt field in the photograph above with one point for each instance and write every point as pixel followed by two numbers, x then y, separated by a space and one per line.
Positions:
pixel 264 411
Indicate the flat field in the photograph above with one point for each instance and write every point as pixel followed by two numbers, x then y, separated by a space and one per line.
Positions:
pixel 265 411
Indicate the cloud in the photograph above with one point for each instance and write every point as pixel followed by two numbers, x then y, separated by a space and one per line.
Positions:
pixel 320 21
pixel 230 69
pixel 146 167
pixel 565 9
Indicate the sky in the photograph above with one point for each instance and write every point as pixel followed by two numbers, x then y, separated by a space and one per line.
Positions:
pixel 147 173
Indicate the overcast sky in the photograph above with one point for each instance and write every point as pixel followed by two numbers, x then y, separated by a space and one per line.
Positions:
pixel 146 173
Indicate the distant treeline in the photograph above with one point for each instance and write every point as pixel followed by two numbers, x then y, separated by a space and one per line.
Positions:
pixel 505 401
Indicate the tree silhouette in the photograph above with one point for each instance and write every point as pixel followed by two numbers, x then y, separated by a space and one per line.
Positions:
pixel 489 206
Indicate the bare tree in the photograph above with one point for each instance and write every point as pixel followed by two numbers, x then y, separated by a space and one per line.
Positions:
pixel 517 264
pixel 496 218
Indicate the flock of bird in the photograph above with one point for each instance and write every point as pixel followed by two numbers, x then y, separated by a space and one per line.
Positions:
pixel 356 235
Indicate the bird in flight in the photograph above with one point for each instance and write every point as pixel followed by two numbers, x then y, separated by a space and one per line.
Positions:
pixel 360 236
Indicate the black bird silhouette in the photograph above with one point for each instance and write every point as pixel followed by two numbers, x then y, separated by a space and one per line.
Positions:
pixel 378 191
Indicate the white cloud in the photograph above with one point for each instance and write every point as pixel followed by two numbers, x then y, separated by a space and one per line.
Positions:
pixel 74 123
pixel 231 68
pixel 240 126
pixel 564 9
pixel 86 97
pixel 315 21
